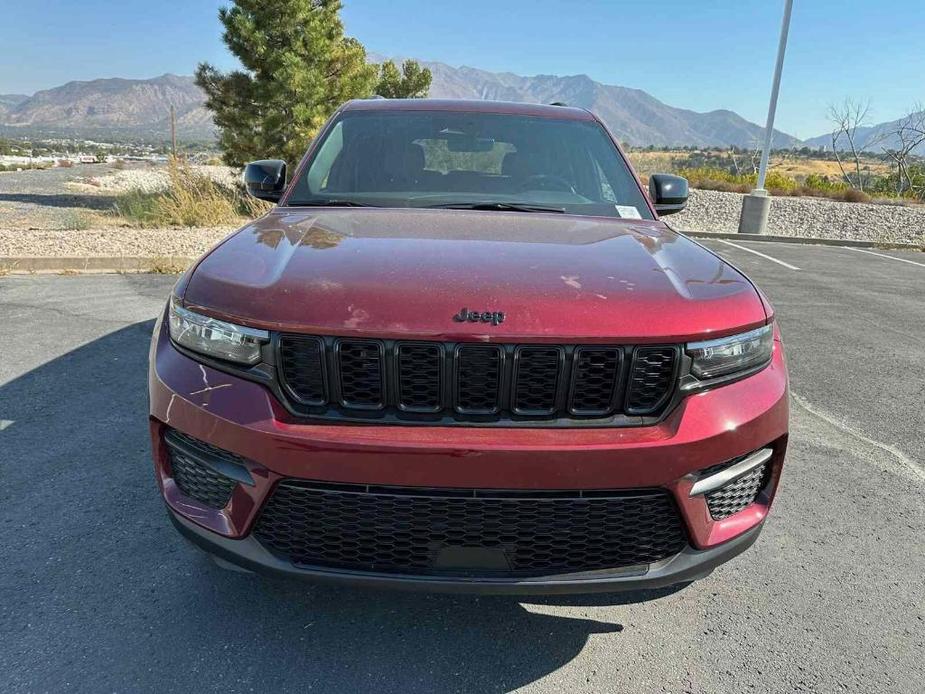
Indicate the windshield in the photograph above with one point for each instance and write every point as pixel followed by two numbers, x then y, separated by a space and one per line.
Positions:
pixel 469 160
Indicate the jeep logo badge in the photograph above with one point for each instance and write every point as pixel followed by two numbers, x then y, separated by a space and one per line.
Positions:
pixel 467 316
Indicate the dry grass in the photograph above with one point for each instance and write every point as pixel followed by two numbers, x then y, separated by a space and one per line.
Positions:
pixel 800 168
pixel 163 265
pixel 80 220
pixel 788 174
pixel 191 200
pixel 647 163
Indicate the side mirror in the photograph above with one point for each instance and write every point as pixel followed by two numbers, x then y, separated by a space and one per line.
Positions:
pixel 266 179
pixel 668 193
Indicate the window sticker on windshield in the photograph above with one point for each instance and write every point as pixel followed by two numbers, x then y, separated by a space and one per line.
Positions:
pixel 628 212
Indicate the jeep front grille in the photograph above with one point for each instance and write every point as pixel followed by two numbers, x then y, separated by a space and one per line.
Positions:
pixel 448 383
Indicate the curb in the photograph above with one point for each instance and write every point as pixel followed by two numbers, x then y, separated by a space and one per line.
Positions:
pixel 29 265
pixel 808 241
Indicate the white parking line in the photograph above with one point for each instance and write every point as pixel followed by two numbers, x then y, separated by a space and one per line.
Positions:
pixel 766 257
pixel 881 255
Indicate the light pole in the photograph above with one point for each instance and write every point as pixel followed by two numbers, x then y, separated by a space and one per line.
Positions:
pixel 757 204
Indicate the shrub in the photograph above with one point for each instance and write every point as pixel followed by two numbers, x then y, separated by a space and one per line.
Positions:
pixel 77 220
pixel 190 200
pixel 824 184
pixel 775 181
pixel 720 179
pixel 708 178
pixel 852 195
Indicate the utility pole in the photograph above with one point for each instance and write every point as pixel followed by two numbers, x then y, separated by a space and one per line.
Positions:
pixel 173 131
pixel 757 204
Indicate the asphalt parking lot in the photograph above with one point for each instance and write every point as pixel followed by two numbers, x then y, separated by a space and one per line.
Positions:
pixel 100 594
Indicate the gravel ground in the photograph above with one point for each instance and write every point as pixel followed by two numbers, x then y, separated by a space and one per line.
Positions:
pixel 39 210
pixel 147 180
pixel 115 242
pixel 710 210
pixel 61 212
pixel 47 199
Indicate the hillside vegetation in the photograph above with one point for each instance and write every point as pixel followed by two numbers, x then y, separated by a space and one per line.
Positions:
pixel 794 173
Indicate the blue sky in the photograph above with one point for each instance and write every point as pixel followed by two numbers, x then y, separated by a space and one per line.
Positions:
pixel 700 55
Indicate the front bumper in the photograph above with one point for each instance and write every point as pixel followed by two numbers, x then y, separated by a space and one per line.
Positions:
pixel 243 417
pixel 689 565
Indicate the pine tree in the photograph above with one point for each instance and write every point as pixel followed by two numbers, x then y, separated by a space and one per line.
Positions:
pixel 298 67
pixel 411 82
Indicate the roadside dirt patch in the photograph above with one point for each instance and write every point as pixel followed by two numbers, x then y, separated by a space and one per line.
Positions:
pixel 115 242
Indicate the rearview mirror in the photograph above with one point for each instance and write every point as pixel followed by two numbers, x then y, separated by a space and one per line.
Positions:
pixel 266 179
pixel 668 193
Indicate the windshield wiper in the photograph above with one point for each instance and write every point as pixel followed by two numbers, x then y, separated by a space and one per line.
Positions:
pixel 500 206
pixel 328 203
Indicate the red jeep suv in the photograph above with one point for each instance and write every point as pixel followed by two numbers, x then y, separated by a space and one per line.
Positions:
pixel 462 352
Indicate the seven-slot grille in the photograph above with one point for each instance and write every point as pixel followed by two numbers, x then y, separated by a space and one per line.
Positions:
pixel 459 382
pixel 468 532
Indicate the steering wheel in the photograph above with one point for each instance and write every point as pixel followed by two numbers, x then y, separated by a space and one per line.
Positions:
pixel 546 182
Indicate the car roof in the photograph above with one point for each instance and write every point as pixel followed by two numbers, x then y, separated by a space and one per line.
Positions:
pixel 469 106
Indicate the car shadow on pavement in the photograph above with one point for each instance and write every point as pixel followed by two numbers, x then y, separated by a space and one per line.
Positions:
pixel 101 593
pixel 90 202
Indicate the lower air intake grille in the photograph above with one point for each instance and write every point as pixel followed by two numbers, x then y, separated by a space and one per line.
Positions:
pixel 194 479
pixel 738 494
pixel 468 532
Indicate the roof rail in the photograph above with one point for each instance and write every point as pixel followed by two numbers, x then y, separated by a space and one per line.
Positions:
pixel 558 103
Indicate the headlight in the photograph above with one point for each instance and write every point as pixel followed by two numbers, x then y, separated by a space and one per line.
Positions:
pixel 728 355
pixel 215 338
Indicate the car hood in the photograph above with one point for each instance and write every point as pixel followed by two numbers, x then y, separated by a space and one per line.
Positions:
pixel 405 273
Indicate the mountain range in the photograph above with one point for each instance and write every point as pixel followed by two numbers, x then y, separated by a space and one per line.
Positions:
pixel 139 109
pixel 635 116
pixel 110 108
pixel 872 137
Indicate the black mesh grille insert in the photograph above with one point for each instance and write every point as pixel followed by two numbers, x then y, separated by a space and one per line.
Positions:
pixel 596 379
pixel 738 494
pixel 361 373
pixel 651 378
pixel 478 379
pixel 536 379
pixel 194 479
pixel 420 384
pixel 302 360
pixel 468 532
